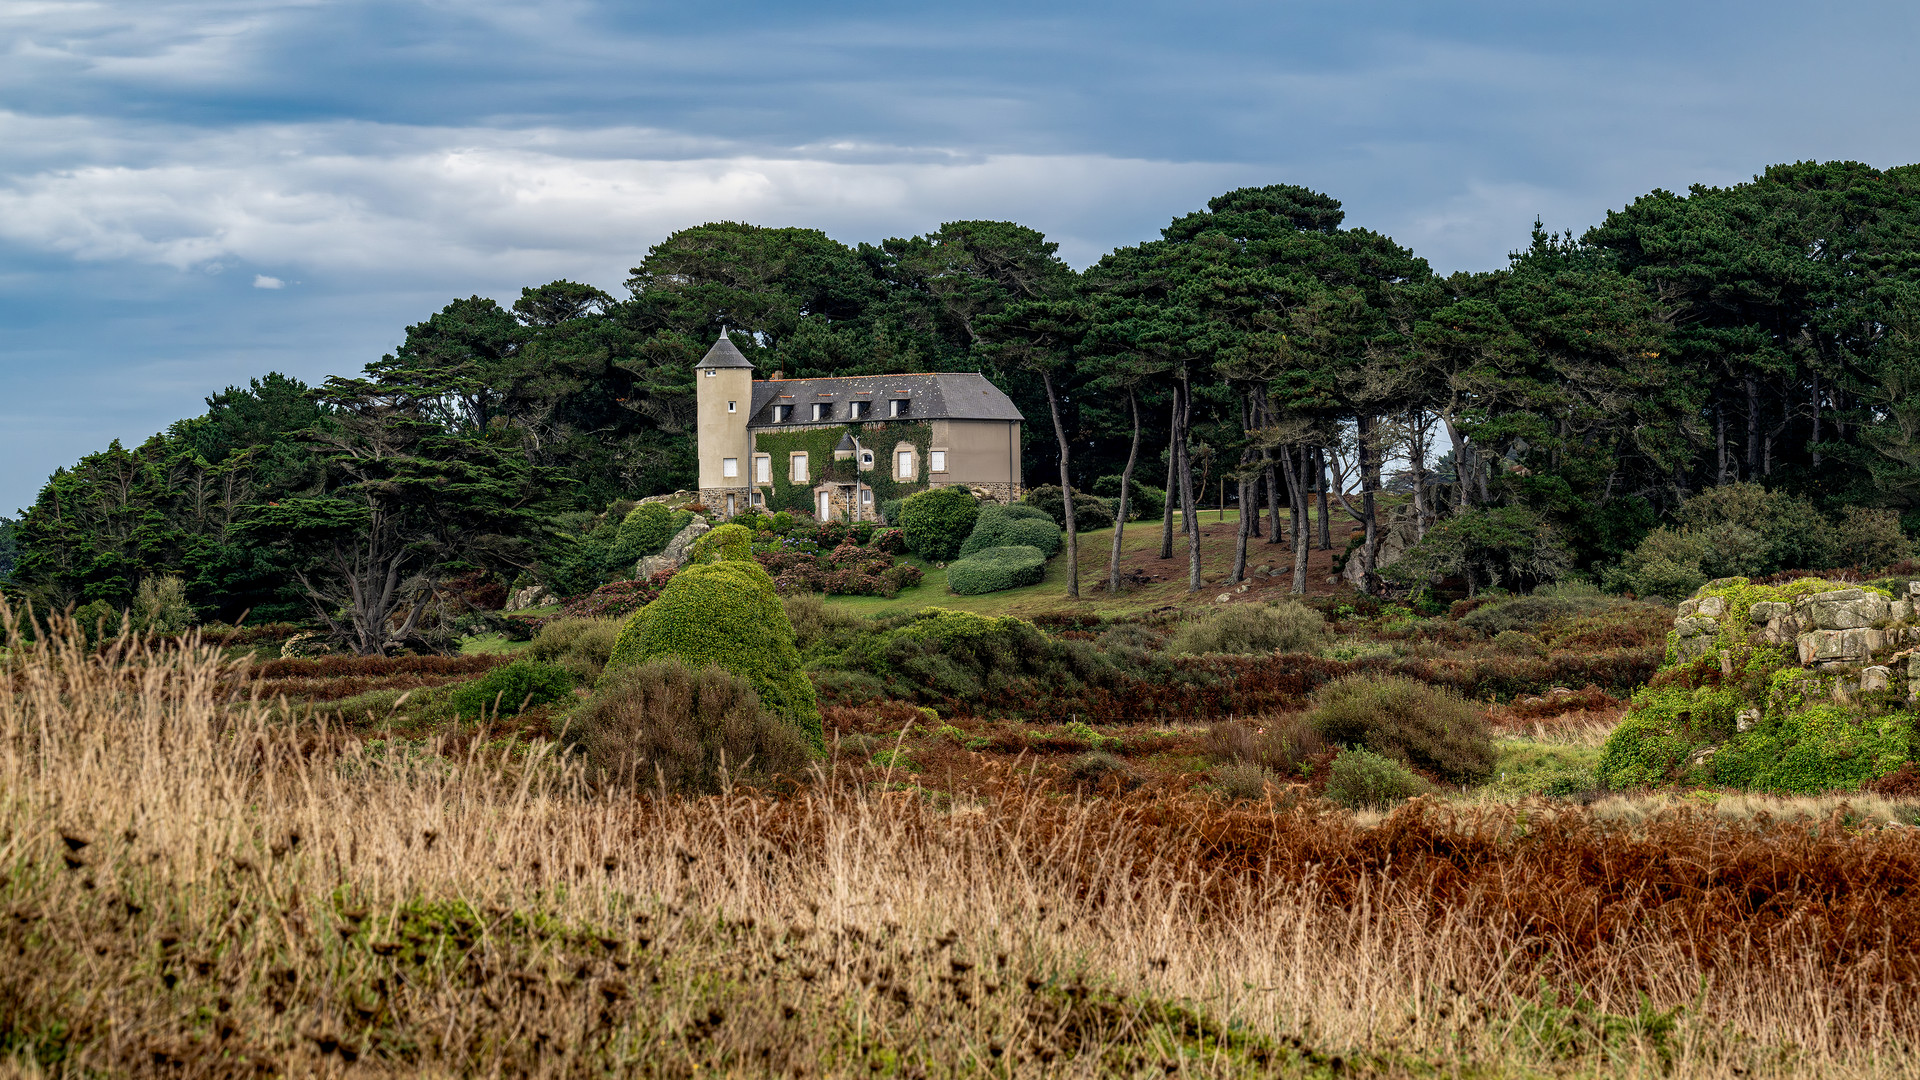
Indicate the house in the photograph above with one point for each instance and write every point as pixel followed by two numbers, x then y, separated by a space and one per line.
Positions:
pixel 840 448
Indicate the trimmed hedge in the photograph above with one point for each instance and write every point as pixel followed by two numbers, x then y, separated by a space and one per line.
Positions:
pixel 936 523
pixel 646 530
pixel 1012 526
pixel 996 568
pixel 725 613
pixel 726 542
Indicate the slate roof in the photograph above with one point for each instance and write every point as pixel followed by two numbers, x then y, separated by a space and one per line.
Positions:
pixel 936 396
pixel 724 354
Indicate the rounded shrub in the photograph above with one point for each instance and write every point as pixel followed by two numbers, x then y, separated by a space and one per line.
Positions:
pixel 160 606
pixel 1002 526
pixel 1428 726
pixel 1282 626
pixel 647 528
pixel 582 646
pixel 725 613
pixel 510 688
pixel 1361 778
pixel 687 729
pixel 725 542
pixel 996 568
pixel 937 522
pixel 1242 781
pixel 1089 511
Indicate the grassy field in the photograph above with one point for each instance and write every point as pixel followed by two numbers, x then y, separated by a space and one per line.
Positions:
pixel 196 883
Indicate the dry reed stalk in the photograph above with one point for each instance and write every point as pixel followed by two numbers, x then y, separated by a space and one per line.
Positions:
pixel 217 888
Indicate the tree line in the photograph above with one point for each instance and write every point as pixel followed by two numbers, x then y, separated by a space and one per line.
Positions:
pixel 1260 350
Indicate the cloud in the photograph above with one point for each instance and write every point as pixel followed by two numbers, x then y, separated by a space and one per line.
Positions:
pixel 262 281
pixel 395 202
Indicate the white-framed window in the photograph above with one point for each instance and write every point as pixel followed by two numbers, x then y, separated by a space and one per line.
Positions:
pixel 730 510
pixel 866 459
pixel 730 467
pixel 825 503
pixel 762 470
pixel 897 407
pixel 733 406
pixel 857 410
pixel 866 496
pixel 782 413
pixel 711 372
pixel 937 460
pixel 757 499
pixel 797 467
pixel 903 464
pixel 823 410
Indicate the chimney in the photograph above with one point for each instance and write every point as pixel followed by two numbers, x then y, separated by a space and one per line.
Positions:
pixel 779 375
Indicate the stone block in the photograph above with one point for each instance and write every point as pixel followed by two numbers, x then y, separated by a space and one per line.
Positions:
pixel 1843 609
pixel 1901 610
pixel 1768 610
pixel 1710 607
pixel 1839 646
pixel 1913 590
pixel 1875 678
pixel 1696 627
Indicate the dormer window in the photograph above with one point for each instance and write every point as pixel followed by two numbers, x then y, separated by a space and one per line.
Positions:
pixel 823 410
pixel 782 413
pixel 857 410
pixel 897 407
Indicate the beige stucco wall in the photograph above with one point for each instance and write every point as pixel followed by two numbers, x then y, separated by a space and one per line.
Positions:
pixel 978 451
pixel 722 434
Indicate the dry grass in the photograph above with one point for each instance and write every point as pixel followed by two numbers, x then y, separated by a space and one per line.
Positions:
pixel 194 887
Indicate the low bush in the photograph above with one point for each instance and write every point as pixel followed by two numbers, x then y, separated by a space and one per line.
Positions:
pixel 846 570
pixel 936 522
pixel 1096 765
pixel 1284 744
pixel 995 569
pixel 814 620
pixel 160 605
pixel 1362 778
pixel 725 613
pixel 1428 726
pixel 1242 781
pixel 663 723
pixel 582 646
pixel 1528 614
pixel 615 600
pixel 1282 626
pixel 1144 503
pixel 1870 538
pixel 507 689
pixel 1089 511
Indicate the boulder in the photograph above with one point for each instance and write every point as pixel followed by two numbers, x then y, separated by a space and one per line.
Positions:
pixel 1843 609
pixel 530 597
pixel 1875 678
pixel 674 555
pixel 1395 540
pixel 1840 646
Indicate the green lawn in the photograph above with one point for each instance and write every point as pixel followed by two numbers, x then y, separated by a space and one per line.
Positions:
pixel 1142 539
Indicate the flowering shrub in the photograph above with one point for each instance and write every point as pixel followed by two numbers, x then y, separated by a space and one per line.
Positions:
pixel 616 600
pixel 798 565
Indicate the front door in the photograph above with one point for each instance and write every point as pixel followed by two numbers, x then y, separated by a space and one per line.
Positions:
pixel 729 506
pixel 826 506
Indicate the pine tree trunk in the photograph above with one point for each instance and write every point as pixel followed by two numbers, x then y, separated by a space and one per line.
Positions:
pixel 1066 489
pixel 1297 494
pixel 1188 509
pixel 1321 481
pixel 1126 491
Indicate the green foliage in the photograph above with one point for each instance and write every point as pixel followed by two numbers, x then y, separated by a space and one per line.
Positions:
pixel 663 723
pixel 1242 781
pixel 1281 626
pixel 9 549
pixel 721 543
pixel 1506 546
pixel 937 522
pixel 814 620
pixel 878 436
pixel 1870 538
pixel 1430 727
pixel 160 606
pixel 1361 778
pixel 1664 726
pixel 1089 511
pixel 998 526
pixel 1096 765
pixel 1530 613
pixel 725 613
pixel 507 689
pixel 581 646
pixel 646 530
pixel 1530 768
pixel 1145 502
pixel 1807 749
pixel 996 569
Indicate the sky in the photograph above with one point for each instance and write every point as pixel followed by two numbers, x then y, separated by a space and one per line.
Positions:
pixel 197 192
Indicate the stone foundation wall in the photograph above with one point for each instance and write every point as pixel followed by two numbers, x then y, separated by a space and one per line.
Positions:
pixel 716 501
pixel 1004 494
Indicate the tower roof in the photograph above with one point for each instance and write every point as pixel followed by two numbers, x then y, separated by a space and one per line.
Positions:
pixel 724 354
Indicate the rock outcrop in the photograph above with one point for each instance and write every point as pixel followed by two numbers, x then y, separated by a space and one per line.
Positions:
pixel 674 555
pixel 1841 627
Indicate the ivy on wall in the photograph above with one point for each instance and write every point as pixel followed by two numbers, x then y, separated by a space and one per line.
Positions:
pixel 819 441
